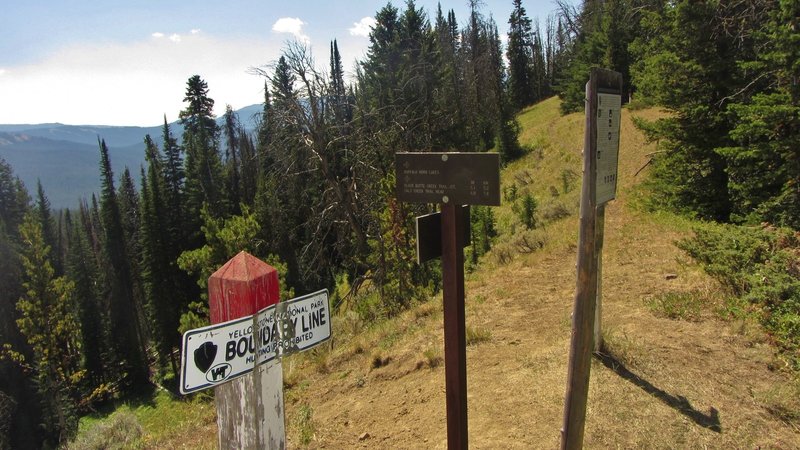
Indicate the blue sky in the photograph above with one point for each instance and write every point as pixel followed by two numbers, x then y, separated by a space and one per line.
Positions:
pixel 126 62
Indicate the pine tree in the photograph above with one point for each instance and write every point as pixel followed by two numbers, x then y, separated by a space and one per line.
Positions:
pixel 521 76
pixel 123 314
pixel 689 61
pixel 49 229
pixel 483 230
pixel 176 218
pixel 379 80
pixel 204 174
pixel 338 92
pixel 291 207
pixel 13 199
pixel 26 416
pixel 418 79
pixel 764 163
pixel 232 162
pixel 157 259
pixel 541 77
pixel 224 239
pixel 174 176
pixel 130 213
pixel 587 49
pixel 602 37
pixel 51 329
pixel 82 269
pixel 449 101
pixel 506 126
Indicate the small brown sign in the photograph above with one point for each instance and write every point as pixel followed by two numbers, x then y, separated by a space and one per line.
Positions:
pixel 449 178
pixel 429 235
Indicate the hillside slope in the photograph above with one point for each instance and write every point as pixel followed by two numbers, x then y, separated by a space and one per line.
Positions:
pixel 663 383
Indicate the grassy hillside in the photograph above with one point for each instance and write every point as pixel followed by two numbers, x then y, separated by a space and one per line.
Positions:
pixel 677 372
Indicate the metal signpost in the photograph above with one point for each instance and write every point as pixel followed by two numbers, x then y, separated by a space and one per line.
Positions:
pixel 451 179
pixel 601 147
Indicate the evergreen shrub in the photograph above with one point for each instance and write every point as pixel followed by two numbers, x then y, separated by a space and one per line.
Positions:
pixel 761 266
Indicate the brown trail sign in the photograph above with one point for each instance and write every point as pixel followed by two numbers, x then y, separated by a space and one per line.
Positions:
pixel 601 145
pixel 451 179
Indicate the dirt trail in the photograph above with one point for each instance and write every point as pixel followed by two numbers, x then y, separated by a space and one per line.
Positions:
pixel 669 384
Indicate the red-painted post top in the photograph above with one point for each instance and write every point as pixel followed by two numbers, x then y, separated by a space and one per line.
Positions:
pixel 241 287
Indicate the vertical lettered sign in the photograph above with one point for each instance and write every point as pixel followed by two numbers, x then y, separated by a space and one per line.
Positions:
pixel 608 121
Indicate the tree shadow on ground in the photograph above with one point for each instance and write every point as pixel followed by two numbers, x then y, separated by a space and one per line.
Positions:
pixel 678 403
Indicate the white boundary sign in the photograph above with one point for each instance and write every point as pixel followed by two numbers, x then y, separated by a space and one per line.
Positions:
pixel 608 122
pixel 224 351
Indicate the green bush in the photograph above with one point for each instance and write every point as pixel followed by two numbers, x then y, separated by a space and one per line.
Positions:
pixel 477 335
pixel 121 431
pixel 510 193
pixel 761 266
pixel 305 424
pixel 555 210
pixel 568 179
pixel 677 305
pixel 527 211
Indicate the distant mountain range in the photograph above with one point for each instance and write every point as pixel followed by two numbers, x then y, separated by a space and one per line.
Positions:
pixel 66 158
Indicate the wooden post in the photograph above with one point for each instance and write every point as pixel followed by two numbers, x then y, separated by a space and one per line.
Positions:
pixel 455 352
pixel 585 293
pixel 598 309
pixel 590 243
pixel 249 409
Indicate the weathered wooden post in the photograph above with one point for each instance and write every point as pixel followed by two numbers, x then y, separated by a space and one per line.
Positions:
pixel 601 144
pixel 600 231
pixel 250 412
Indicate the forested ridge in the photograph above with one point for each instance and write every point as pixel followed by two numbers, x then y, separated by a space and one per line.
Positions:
pixel 93 300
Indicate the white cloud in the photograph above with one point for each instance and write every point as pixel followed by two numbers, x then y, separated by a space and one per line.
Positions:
pixel 293 26
pixel 157 35
pixel 3 72
pixel 135 83
pixel 175 37
pixel 362 27
pixel 195 30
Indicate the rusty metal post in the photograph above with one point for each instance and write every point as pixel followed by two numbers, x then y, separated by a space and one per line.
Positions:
pixel 455 347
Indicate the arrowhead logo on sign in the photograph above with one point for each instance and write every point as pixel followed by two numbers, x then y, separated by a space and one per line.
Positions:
pixel 204 356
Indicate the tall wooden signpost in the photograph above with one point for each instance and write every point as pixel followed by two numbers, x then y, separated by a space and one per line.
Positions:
pixel 451 179
pixel 600 151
